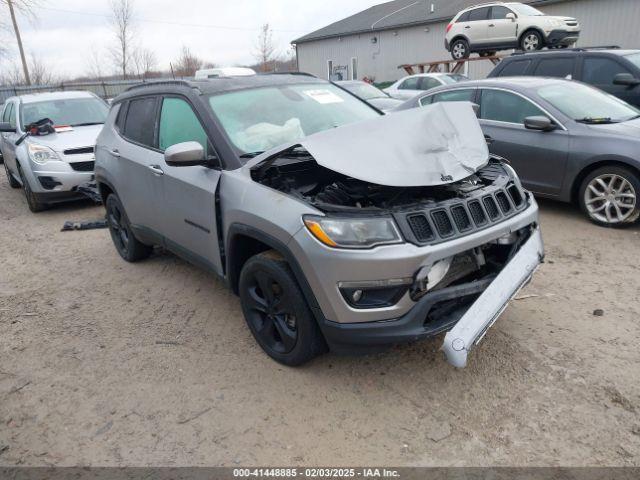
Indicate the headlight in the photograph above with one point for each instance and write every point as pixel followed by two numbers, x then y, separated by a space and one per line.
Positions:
pixel 41 154
pixel 353 233
pixel 556 22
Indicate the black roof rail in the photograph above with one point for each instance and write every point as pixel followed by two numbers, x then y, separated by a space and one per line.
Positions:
pixel 302 74
pixel 154 83
pixel 575 49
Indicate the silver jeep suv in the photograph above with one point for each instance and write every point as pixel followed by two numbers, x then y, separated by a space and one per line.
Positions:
pixel 338 227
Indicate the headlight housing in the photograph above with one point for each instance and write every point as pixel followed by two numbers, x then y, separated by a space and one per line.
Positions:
pixel 353 233
pixel 556 22
pixel 41 154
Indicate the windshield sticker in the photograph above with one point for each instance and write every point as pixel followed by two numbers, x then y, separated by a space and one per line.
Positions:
pixel 323 96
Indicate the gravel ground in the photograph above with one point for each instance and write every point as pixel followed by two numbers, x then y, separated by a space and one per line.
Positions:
pixel 107 363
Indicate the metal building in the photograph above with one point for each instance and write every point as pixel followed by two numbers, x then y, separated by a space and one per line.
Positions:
pixel 373 43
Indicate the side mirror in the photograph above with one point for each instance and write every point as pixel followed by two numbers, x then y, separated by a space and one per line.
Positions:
pixel 511 16
pixel 626 79
pixel 186 154
pixel 5 127
pixel 540 123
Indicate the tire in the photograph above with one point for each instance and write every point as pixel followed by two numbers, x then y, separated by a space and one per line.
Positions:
pixel 13 183
pixel 531 41
pixel 276 311
pixel 127 245
pixel 487 54
pixel 610 197
pixel 34 204
pixel 460 49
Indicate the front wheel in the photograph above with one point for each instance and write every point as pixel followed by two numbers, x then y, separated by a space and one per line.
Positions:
pixel 13 183
pixel 276 311
pixel 32 201
pixel 460 49
pixel 609 197
pixel 127 245
pixel 531 41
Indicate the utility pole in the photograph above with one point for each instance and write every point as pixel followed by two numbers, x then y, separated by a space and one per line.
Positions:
pixel 19 40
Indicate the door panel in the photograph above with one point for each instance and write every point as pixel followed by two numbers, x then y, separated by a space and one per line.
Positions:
pixel 501 29
pixel 539 158
pixel 189 222
pixel 9 139
pixel 476 29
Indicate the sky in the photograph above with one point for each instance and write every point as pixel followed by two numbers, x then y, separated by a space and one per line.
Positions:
pixel 69 34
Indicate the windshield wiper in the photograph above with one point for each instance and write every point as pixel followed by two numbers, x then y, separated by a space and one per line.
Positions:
pixel 251 154
pixel 86 124
pixel 596 120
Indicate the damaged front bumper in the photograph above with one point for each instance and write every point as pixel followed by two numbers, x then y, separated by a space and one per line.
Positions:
pixel 472 327
pixel 475 308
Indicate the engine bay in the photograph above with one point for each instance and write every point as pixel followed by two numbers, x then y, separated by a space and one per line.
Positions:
pixel 296 173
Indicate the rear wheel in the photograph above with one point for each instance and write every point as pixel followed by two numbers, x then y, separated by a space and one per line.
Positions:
pixel 13 183
pixel 610 197
pixel 531 41
pixel 127 245
pixel 460 49
pixel 276 311
pixel 32 201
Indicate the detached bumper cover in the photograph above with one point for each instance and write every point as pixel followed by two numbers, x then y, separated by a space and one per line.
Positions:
pixel 472 327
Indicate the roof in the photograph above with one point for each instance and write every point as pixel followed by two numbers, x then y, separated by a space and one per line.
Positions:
pixel 219 85
pixel 399 13
pixel 46 96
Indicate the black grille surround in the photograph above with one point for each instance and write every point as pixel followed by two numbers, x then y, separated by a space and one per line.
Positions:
pixel 471 212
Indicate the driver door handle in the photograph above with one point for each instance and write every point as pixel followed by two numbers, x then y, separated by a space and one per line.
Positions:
pixel 115 153
pixel 468 26
pixel 156 169
pixel 488 139
pixel 491 25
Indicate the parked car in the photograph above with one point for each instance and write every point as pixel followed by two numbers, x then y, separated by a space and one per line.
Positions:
pixel 339 227
pixel 567 140
pixel 48 144
pixel 224 72
pixel 488 28
pixel 409 87
pixel 610 69
pixel 370 94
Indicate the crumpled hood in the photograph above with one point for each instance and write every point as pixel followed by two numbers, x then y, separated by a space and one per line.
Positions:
pixel 427 146
pixel 77 138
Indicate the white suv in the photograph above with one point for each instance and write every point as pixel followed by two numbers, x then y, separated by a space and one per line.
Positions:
pixel 490 27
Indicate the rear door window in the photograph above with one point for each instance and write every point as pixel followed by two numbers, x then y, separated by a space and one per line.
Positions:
pixel 601 71
pixel 410 84
pixel 139 126
pixel 513 69
pixel 479 14
pixel 455 96
pixel 178 124
pixel 501 106
pixel 464 17
pixel 555 67
pixel 427 83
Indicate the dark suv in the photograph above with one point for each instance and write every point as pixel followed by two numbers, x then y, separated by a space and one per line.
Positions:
pixel 611 69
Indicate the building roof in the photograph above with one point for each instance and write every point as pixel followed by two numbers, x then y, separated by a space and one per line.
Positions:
pixel 398 13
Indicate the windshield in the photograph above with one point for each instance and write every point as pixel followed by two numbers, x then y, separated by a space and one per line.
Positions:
pixel 584 103
pixel 71 111
pixel 453 78
pixel 525 10
pixel 365 91
pixel 634 58
pixel 262 118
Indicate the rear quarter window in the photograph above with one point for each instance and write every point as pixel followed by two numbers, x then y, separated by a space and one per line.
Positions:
pixel 555 67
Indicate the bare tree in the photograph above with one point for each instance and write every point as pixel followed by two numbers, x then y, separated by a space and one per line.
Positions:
pixel 27 7
pixel 264 49
pixel 187 64
pixel 145 61
pixel 95 65
pixel 122 20
pixel 41 73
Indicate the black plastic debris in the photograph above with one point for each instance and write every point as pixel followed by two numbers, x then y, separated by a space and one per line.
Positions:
pixel 89 225
pixel 90 190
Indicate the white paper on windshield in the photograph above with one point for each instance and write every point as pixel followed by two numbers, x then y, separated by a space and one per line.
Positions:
pixel 323 96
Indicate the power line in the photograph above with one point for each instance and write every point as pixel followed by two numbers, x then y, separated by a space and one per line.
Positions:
pixel 166 22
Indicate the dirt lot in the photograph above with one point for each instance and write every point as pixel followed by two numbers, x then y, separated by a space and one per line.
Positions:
pixel 106 363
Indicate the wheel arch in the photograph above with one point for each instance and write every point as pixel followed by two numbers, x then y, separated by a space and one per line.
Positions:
pixel 577 182
pixel 535 29
pixel 243 242
pixel 459 36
